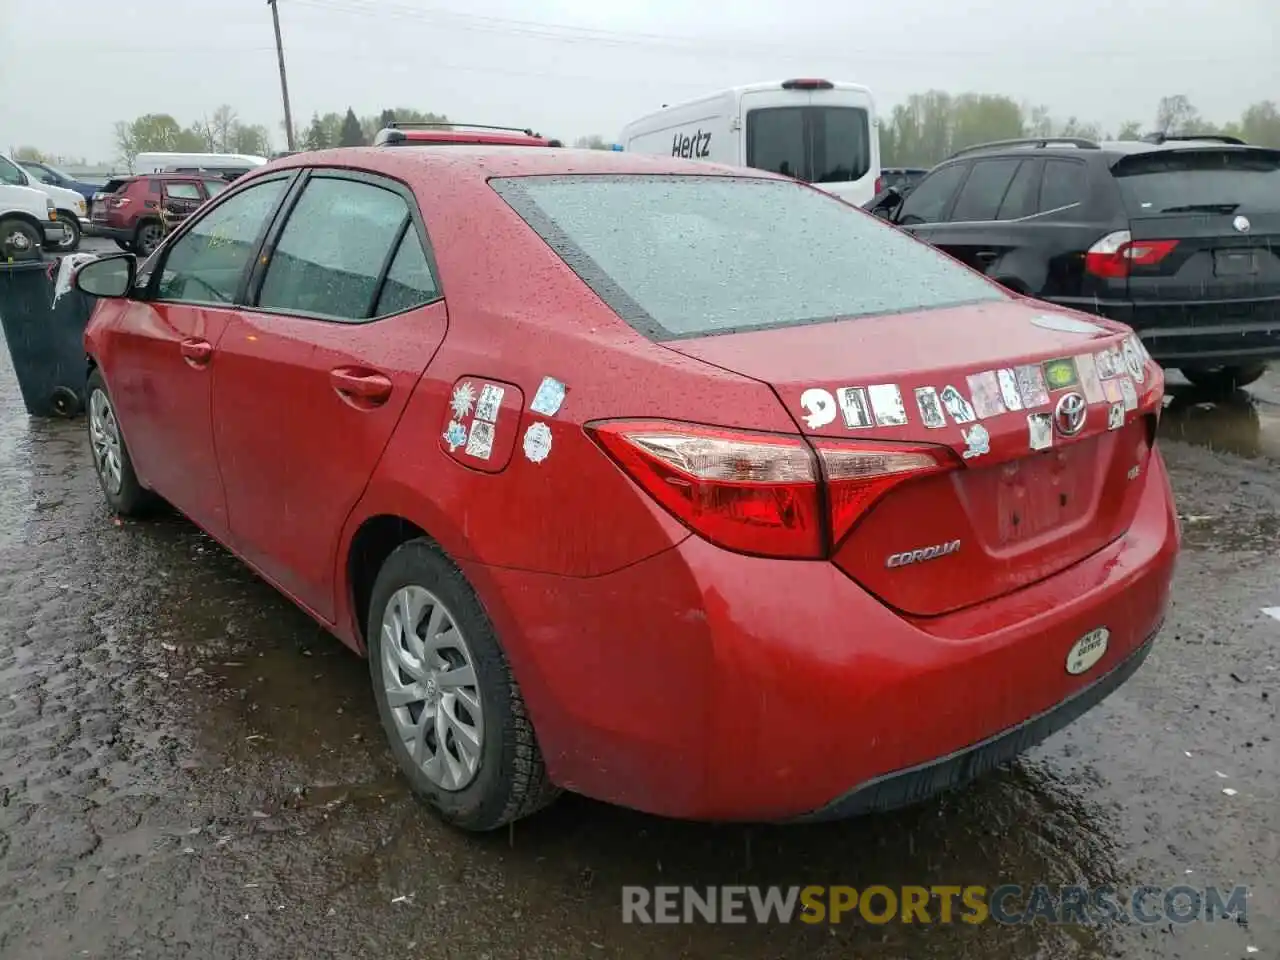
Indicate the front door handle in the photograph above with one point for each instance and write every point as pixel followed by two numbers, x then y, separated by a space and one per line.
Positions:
pixel 197 352
pixel 365 387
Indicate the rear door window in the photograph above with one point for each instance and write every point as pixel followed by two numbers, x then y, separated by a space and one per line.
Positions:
pixel 927 202
pixel 1063 185
pixel 814 144
pixel 1020 199
pixel 1200 180
pixel 183 190
pixel 984 191
pixel 703 255
pixel 333 250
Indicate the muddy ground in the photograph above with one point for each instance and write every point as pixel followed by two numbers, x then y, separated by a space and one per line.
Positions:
pixel 189 768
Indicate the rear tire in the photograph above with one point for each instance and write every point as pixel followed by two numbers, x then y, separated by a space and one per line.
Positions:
pixel 19 240
pixel 71 226
pixel 147 237
pixel 449 704
pixel 111 460
pixel 1225 379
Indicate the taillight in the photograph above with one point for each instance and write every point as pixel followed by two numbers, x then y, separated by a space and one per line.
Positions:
pixel 879 185
pixel 760 493
pixel 1116 254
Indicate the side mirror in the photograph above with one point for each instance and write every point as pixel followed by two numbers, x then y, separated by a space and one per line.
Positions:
pixel 885 204
pixel 50 179
pixel 111 276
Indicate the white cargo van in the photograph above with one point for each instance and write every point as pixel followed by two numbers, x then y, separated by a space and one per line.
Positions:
pixel 229 165
pixel 819 131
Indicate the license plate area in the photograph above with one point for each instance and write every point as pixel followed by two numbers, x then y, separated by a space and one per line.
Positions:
pixel 1235 263
pixel 1041 493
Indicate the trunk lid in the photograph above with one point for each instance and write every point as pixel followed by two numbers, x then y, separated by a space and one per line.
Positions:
pixel 1215 212
pixel 1025 501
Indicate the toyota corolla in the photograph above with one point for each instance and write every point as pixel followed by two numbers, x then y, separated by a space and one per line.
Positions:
pixel 684 487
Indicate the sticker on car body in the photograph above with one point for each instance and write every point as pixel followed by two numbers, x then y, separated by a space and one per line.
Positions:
pixel 985 389
pixel 1031 386
pixel 1060 374
pixel 537 442
pixel 855 407
pixel 955 403
pixel 1111 390
pixel 931 412
pixel 490 403
pixel 463 400
pixel 1133 361
pixel 1130 394
pixel 455 435
pixel 1115 416
pixel 977 441
pixel 1040 431
pixel 886 403
pixel 480 443
pixel 820 407
pixel 1009 389
pixel 549 398
pixel 1090 382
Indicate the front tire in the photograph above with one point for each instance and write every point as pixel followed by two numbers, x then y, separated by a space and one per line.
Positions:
pixel 1225 379
pixel 449 704
pixel 111 460
pixel 19 240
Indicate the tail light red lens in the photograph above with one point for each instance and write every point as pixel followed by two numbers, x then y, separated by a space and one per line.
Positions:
pixel 760 493
pixel 1116 254
pixel 879 185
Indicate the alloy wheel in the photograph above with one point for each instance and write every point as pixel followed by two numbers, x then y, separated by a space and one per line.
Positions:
pixel 104 434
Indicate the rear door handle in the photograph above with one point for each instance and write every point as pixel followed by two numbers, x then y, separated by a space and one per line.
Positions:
pixel 366 386
pixel 197 352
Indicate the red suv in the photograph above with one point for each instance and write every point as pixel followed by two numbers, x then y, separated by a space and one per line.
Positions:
pixel 136 212
pixel 686 487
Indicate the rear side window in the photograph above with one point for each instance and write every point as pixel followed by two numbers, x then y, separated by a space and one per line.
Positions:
pixel 215 187
pixel 926 202
pixel 1063 184
pixel 688 256
pixel 409 281
pixel 815 144
pixel 178 190
pixel 332 251
pixel 1020 198
pixel 1175 181
pixel 983 192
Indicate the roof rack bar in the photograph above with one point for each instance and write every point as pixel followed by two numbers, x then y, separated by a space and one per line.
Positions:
pixel 1080 142
pixel 1183 137
pixel 449 125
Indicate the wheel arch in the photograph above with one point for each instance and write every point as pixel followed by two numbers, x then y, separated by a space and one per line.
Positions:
pixel 28 219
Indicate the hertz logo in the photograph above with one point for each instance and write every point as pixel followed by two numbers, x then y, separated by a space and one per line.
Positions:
pixel 924 553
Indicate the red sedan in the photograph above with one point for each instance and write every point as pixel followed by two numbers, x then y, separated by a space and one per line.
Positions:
pixel 684 487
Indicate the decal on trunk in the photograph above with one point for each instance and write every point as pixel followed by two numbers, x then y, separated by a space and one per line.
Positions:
pixel 1111 388
pixel 930 407
pixel 1133 360
pixel 1090 383
pixel 855 407
pixel 1009 389
pixel 1060 374
pixel 1031 386
pixel 821 407
pixel 956 405
pixel 1040 431
pixel 886 401
pixel 977 441
pixel 985 389
pixel 1115 417
pixel 1130 394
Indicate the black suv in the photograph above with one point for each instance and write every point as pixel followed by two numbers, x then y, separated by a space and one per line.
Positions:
pixel 1178 237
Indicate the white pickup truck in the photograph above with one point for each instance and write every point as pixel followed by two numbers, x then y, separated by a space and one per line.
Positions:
pixel 29 217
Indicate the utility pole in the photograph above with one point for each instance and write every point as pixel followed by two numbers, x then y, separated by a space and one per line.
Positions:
pixel 284 83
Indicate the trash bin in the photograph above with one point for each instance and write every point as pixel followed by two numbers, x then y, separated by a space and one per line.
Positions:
pixel 43 320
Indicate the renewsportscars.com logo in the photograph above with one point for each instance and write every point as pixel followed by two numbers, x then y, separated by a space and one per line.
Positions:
pixel 1006 904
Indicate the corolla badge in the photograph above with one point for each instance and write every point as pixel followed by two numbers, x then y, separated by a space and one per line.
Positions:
pixel 908 557
pixel 1241 224
pixel 1069 415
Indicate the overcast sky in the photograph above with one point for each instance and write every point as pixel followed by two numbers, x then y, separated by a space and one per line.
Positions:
pixel 70 68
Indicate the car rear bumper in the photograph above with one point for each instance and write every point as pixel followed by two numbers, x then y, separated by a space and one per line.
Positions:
pixel 707 685
pixel 1214 333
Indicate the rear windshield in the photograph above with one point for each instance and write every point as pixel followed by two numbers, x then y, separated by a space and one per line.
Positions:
pixel 688 255
pixel 1188 181
pixel 815 144
pixel 115 183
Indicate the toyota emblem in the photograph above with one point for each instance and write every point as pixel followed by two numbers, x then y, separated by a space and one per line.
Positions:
pixel 1241 224
pixel 1069 415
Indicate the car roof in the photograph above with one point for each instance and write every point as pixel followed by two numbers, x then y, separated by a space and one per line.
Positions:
pixel 1106 150
pixel 482 162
